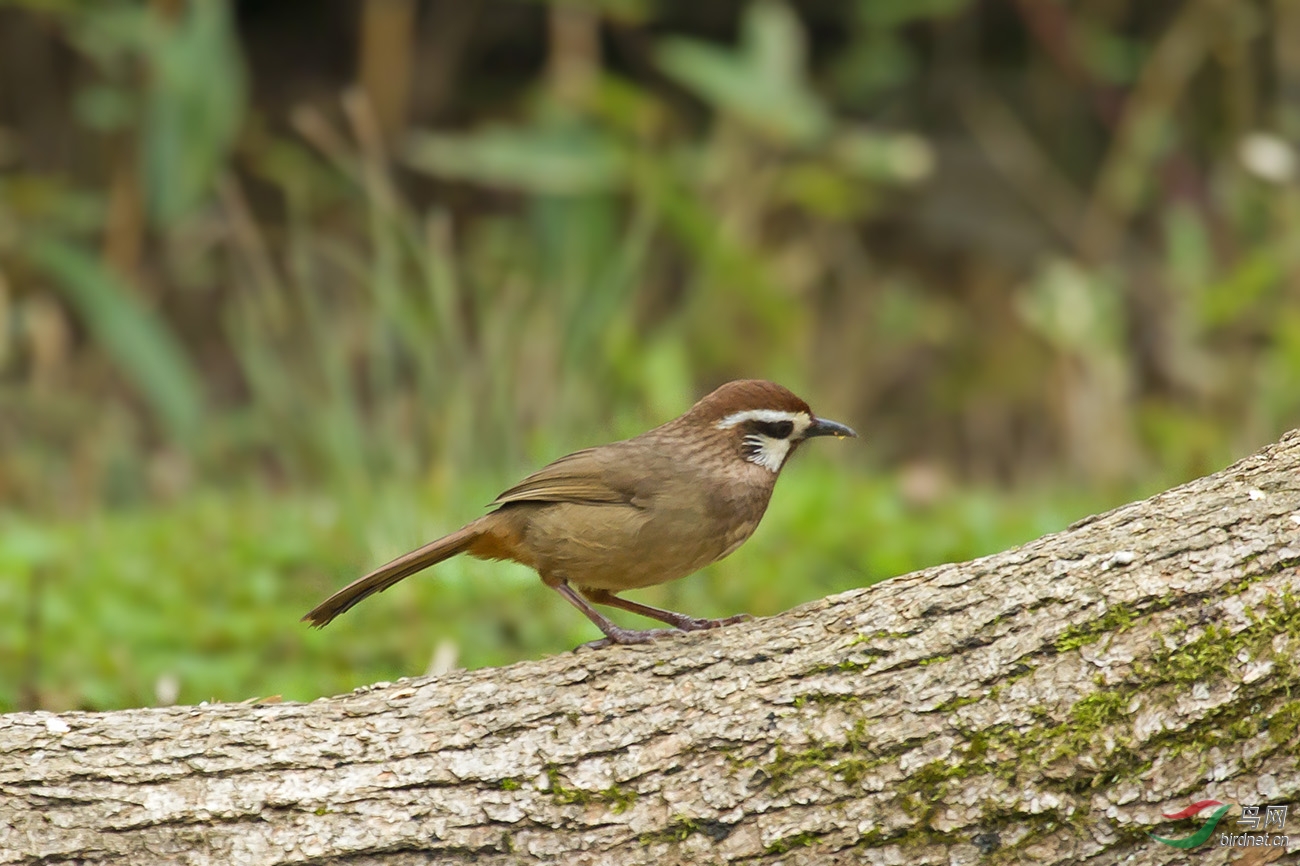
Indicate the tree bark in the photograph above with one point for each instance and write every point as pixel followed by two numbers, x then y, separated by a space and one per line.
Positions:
pixel 1041 705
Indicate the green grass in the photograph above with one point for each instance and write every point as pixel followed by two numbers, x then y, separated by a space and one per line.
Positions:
pixel 209 591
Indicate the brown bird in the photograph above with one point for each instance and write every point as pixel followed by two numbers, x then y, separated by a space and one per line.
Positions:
pixel 635 513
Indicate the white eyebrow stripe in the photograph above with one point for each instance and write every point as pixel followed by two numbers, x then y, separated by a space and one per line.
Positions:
pixel 800 420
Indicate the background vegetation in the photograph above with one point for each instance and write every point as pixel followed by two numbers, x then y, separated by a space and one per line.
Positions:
pixel 289 288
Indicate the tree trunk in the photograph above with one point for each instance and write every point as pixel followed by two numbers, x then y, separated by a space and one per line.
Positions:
pixel 1042 705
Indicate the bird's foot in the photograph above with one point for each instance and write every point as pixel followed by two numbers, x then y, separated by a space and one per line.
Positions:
pixel 627 636
pixel 690 623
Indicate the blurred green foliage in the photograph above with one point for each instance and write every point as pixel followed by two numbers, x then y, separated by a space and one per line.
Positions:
pixel 260 331
pixel 141 344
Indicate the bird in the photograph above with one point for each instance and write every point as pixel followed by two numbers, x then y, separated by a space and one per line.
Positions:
pixel 634 513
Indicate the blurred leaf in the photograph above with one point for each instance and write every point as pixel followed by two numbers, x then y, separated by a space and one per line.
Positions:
pixel 762 83
pixel 879 62
pixel 691 220
pixel 628 108
pixel 823 191
pixel 1114 58
pixel 193 99
pixel 884 13
pixel 46 6
pixel 880 57
pixel 1073 308
pixel 880 156
pixel 1229 299
pixel 48 202
pixel 553 160
pixel 665 371
pixel 1188 247
pixel 1186 438
pixel 1280 390
pixel 622 11
pixel 110 33
pixel 132 335
pixel 104 108
pixel 25 545
pixel 194 106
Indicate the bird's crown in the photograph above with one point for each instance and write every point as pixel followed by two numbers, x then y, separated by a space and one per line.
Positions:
pixel 738 401
pixel 766 419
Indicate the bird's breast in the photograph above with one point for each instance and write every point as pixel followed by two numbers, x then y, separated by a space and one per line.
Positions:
pixel 737 535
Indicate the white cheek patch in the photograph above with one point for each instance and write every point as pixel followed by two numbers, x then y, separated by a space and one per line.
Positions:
pixel 800 420
pixel 767 452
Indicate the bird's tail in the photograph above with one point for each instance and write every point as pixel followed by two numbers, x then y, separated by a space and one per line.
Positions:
pixel 386 575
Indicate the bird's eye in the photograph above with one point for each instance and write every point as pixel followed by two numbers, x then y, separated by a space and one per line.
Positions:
pixel 775 429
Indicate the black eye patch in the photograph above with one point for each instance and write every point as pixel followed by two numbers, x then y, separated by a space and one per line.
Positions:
pixel 774 429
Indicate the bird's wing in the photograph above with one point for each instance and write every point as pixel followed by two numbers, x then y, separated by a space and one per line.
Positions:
pixel 594 476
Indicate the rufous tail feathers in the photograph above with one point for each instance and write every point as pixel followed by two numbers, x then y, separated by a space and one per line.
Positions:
pixel 386 575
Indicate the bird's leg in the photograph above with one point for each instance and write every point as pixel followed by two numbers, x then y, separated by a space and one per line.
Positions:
pixel 613 633
pixel 678 620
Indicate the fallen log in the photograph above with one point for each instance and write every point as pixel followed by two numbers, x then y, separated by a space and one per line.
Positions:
pixel 1046 704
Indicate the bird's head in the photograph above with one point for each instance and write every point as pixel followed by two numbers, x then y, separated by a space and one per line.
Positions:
pixel 762 420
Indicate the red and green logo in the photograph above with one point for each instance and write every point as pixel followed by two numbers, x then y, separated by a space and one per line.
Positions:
pixel 1201 835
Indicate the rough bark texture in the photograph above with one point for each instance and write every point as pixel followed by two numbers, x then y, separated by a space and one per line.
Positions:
pixel 1042 705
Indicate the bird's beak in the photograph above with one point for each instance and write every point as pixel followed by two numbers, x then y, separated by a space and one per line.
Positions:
pixel 823 427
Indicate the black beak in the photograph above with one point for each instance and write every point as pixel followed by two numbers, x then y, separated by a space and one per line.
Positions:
pixel 823 427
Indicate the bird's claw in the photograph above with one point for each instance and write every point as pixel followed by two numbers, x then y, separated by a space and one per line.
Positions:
pixel 692 624
pixel 626 637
